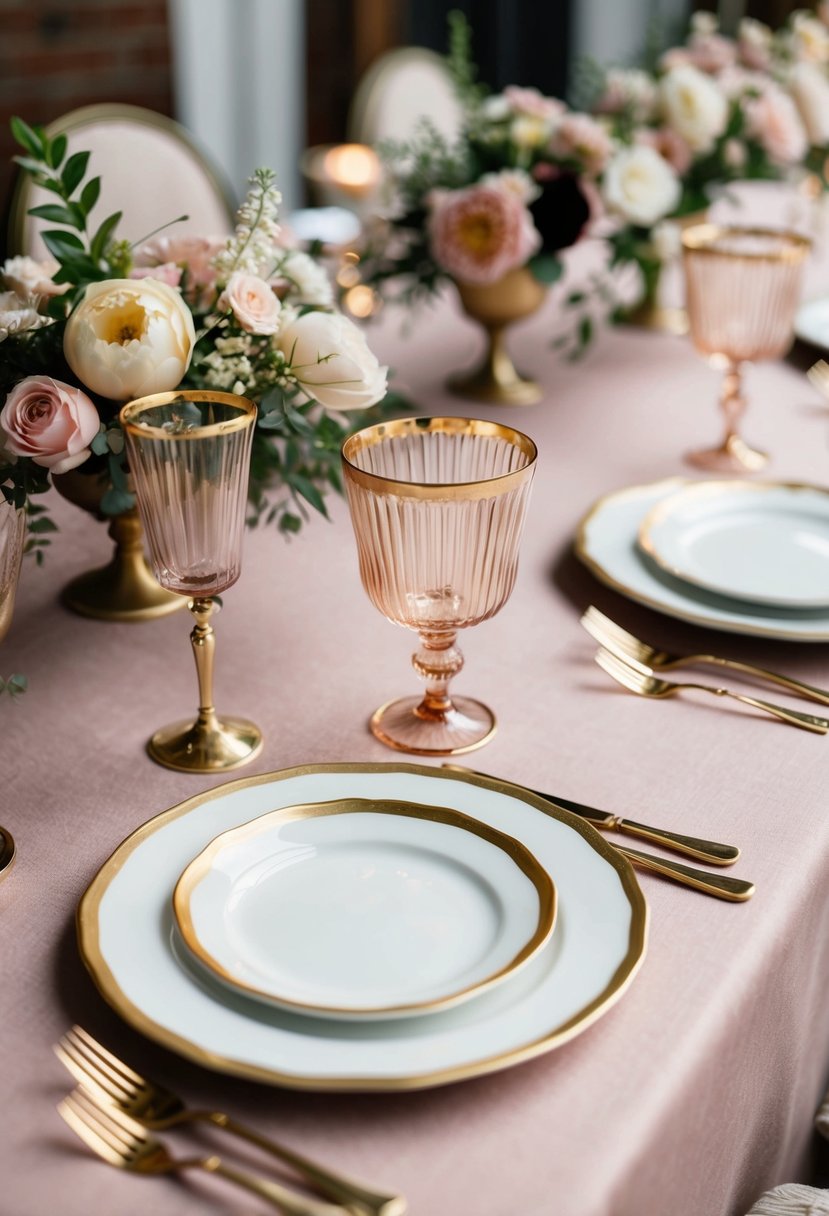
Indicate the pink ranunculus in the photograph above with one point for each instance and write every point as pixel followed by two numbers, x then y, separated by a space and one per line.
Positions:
pixel 480 233
pixel 253 303
pixel 669 144
pixel 194 254
pixel 583 138
pixel 773 120
pixel 675 57
pixel 711 52
pixel 533 103
pixel 167 273
pixel 50 422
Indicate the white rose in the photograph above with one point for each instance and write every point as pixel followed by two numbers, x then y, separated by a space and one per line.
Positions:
pixel 809 38
pixel 252 302
pixel 130 337
pixel 32 278
pixel 694 105
pixel 640 186
pixel 810 90
pixel 331 361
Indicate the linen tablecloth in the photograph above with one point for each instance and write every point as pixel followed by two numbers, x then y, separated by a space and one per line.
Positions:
pixel 697 1091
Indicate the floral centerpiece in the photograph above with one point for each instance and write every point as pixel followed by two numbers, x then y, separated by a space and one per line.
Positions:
pixel 717 110
pixel 529 176
pixel 106 320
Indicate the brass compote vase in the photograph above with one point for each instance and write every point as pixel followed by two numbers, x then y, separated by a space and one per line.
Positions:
pixel 497 306
pixel 125 588
pixel 438 508
pixel 189 453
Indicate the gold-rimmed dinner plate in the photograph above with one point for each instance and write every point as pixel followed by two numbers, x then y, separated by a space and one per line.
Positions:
pixel 607 543
pixel 364 909
pixel 764 542
pixel 128 941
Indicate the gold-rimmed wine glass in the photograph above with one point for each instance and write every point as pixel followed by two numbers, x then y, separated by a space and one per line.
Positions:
pixel 743 288
pixel 438 507
pixel 189 455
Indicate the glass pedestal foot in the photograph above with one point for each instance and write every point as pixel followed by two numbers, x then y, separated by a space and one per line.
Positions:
pixel 733 456
pixel 407 727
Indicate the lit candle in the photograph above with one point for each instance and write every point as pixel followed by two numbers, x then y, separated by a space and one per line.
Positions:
pixel 353 168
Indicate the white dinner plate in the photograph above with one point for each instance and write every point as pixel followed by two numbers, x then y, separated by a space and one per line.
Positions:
pixel 362 909
pixel 811 323
pixel 763 542
pixel 607 543
pixel 127 940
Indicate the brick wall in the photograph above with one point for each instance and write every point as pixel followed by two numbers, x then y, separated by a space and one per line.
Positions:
pixel 56 55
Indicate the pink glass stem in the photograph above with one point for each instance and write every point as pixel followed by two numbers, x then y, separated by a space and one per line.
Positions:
pixel 437 662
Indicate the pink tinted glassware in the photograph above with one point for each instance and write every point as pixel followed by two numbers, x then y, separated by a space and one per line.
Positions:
pixel 743 287
pixel 189 456
pixel 438 508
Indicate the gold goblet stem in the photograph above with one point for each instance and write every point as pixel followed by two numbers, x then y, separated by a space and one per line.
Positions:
pixel 203 641
pixel 437 661
pixel 732 402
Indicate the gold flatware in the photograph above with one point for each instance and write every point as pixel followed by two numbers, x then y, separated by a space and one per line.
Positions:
pixel 712 851
pixel 818 374
pixel 640 679
pixel 158 1109
pixel 610 635
pixel 7 851
pixel 127 1145
pixel 721 886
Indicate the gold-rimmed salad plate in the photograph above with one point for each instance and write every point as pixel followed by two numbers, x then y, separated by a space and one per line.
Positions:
pixel 357 908
pixel 129 943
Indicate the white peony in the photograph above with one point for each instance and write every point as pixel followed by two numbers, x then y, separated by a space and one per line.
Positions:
pixel 694 105
pixel 129 338
pixel 29 277
pixel 640 186
pixel 331 361
pixel 810 90
pixel 18 315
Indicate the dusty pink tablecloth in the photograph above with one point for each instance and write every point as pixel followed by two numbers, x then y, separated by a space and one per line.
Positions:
pixel 691 1096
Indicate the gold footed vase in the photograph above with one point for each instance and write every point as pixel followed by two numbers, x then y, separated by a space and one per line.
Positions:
pixel 125 588
pixel 496 306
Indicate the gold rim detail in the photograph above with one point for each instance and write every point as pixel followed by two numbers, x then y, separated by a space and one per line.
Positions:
pixel 580 548
pixel 702 239
pixel 90 947
pixel 131 411
pixel 489 488
pixel 523 858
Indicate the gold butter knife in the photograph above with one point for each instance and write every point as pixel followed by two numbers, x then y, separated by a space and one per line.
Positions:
pixel 690 846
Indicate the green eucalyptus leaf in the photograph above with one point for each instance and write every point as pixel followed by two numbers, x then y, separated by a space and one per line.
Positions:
pixel 27 137
pixel 289 522
pixel 99 444
pixel 73 171
pixel 115 502
pixel 547 268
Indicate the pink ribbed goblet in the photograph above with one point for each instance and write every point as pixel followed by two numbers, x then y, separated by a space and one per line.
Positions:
pixel 189 455
pixel 743 287
pixel 438 507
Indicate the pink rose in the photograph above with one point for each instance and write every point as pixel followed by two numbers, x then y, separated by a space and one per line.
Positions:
pixel 772 119
pixel 50 422
pixel 252 302
pixel 669 144
pixel 167 273
pixel 711 52
pixel 581 137
pixel 480 233
pixel 533 104
pixel 194 254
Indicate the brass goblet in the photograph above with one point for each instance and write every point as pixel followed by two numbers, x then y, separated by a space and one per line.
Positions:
pixel 438 507
pixel 743 288
pixel 189 454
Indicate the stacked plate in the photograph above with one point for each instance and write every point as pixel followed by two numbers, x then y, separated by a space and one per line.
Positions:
pixel 363 927
pixel 746 557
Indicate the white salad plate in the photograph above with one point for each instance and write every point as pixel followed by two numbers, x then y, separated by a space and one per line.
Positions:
pixel 763 542
pixel 129 943
pixel 364 909
pixel 811 323
pixel 607 542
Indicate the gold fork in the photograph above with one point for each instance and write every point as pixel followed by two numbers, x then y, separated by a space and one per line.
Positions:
pixel 126 1144
pixel 613 637
pixel 640 679
pixel 157 1108
pixel 818 374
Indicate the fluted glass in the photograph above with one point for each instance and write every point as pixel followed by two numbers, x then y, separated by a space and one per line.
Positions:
pixel 743 287
pixel 438 507
pixel 189 456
